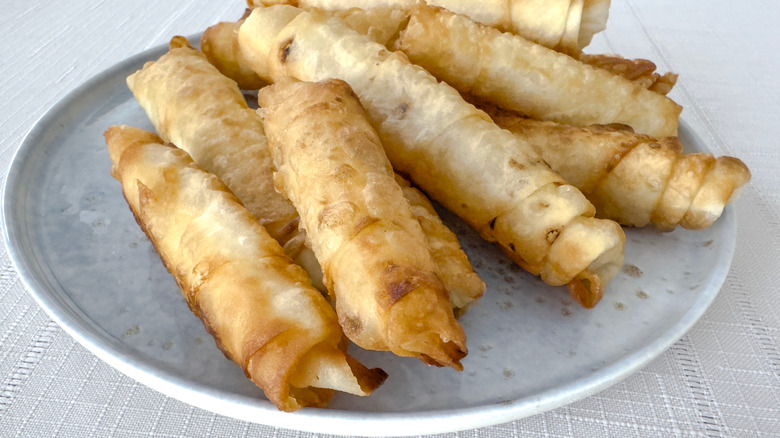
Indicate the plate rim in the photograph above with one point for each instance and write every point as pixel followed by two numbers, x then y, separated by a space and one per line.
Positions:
pixel 329 420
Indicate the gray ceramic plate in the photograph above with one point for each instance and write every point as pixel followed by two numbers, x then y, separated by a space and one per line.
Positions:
pixel 85 260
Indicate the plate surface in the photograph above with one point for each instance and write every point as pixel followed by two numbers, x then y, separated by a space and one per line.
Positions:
pixel 88 264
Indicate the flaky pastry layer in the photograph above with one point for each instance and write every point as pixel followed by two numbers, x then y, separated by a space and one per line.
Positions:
pixel 446 146
pixel 375 257
pixel 258 305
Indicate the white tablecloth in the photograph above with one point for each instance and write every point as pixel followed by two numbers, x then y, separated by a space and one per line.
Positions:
pixel 722 379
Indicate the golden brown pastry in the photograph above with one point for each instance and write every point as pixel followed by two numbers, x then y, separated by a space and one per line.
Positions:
pixel 220 46
pixel 449 149
pixel 563 25
pixel 641 71
pixel 382 25
pixel 634 179
pixel 595 14
pixel 452 264
pixel 547 27
pixel 193 106
pixel 522 76
pixel 375 260
pixel 257 304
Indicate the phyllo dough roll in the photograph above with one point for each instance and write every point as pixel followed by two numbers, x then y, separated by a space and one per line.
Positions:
pixel 192 105
pixel 544 22
pixel 380 24
pixel 259 306
pixel 520 75
pixel 220 45
pixel 564 25
pixel 376 263
pixel 452 264
pixel 635 179
pixel 449 149
pixel 640 71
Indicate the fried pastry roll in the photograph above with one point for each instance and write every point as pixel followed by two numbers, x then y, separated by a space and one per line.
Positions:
pixel 517 74
pixel 380 24
pixel 449 149
pixel 635 179
pixel 383 24
pixel 641 71
pixel 220 45
pixel 376 263
pixel 193 106
pixel 452 264
pixel 563 25
pixel 257 304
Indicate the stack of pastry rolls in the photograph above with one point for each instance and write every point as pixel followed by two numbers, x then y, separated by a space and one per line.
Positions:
pixel 502 119
pixel 194 106
pixel 260 307
pixel 634 179
pixel 412 313
pixel 566 25
pixel 623 108
pixel 448 148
